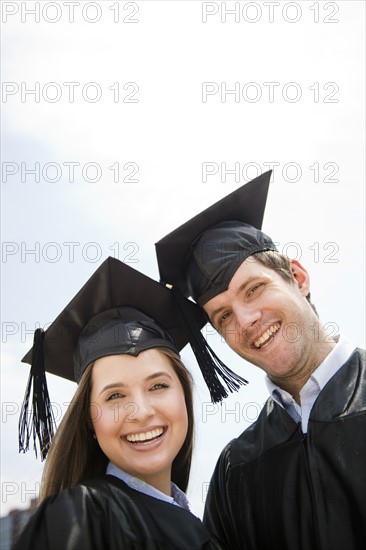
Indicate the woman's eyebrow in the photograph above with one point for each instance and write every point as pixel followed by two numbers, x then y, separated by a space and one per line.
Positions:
pixel 157 374
pixel 121 385
pixel 113 385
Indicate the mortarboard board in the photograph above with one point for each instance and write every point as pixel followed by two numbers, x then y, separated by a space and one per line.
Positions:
pixel 112 285
pixel 118 311
pixel 201 256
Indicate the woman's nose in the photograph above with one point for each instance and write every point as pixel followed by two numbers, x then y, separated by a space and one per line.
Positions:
pixel 143 408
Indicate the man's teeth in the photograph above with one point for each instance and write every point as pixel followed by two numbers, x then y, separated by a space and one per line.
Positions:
pixel 267 335
pixel 145 436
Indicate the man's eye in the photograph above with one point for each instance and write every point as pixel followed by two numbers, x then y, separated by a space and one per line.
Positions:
pixel 223 318
pixel 254 288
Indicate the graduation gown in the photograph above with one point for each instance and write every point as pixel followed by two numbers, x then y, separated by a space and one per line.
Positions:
pixel 105 514
pixel 275 487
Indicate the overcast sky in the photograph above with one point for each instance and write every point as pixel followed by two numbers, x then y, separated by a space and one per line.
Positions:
pixel 123 120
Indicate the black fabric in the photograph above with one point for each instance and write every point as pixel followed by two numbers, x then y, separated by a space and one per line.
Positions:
pixel 274 487
pixel 199 263
pixel 105 514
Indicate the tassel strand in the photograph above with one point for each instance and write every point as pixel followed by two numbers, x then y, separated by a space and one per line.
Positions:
pixel 39 422
pixel 211 366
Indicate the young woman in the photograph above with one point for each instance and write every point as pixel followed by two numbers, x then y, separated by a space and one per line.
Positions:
pixel 119 463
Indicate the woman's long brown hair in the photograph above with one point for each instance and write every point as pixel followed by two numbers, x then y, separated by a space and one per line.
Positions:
pixel 75 455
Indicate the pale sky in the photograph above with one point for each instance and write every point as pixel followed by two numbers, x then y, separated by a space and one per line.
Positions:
pixel 123 120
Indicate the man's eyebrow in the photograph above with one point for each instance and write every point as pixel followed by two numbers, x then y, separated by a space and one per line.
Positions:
pixel 246 283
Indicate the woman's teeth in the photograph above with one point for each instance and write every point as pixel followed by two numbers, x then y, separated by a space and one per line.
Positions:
pixel 144 437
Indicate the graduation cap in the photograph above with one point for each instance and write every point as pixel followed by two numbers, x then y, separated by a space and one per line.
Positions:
pixel 201 256
pixel 118 311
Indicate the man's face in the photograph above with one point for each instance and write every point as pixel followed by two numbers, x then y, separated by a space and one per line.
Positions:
pixel 267 320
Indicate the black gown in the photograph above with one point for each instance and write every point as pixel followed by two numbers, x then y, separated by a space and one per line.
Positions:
pixel 105 514
pixel 274 487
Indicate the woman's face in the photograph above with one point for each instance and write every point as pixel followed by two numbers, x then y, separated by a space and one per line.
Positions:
pixel 139 414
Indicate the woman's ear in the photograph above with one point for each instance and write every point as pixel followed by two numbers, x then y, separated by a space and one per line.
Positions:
pixel 301 277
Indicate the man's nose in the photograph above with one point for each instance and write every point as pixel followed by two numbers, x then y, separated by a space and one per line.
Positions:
pixel 246 319
pixel 246 316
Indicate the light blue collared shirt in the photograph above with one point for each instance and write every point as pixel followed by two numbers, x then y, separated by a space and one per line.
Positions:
pixel 308 394
pixel 178 498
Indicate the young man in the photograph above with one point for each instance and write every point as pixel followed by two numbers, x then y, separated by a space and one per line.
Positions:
pixel 296 478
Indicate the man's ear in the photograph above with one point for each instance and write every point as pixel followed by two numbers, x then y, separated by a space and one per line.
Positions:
pixel 301 277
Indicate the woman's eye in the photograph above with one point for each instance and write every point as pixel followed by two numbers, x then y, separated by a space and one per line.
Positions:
pixel 159 386
pixel 115 395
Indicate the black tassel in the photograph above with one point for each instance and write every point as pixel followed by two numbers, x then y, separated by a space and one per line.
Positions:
pixel 39 421
pixel 211 366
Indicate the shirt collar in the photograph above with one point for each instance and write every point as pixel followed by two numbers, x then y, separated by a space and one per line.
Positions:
pixel 331 364
pixel 178 497
pixel 333 361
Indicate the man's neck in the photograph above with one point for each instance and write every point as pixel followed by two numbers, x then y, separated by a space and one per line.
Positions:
pixel 294 383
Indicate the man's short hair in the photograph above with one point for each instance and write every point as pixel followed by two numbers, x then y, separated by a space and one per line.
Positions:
pixel 281 264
